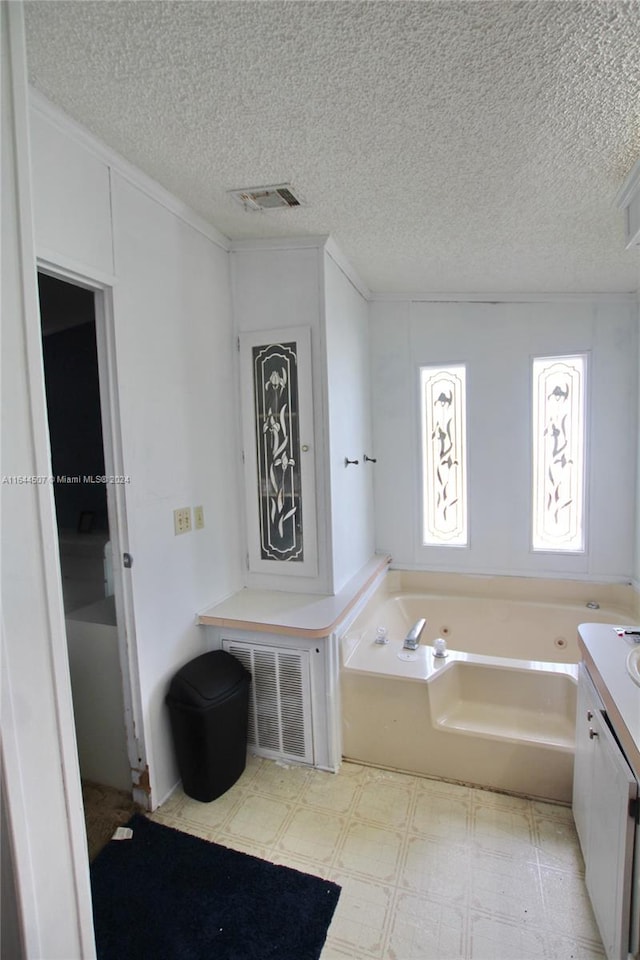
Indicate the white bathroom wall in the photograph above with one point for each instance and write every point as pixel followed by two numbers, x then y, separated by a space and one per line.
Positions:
pixel 174 359
pixel 346 316
pixel 174 347
pixel 497 341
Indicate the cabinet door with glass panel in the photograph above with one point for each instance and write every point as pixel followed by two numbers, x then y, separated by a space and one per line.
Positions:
pixel 277 423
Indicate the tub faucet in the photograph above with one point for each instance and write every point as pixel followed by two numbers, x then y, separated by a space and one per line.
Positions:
pixel 412 639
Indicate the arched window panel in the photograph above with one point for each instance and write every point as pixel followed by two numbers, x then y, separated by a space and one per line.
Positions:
pixel 444 468
pixel 559 453
pixel 278 451
pixel 275 382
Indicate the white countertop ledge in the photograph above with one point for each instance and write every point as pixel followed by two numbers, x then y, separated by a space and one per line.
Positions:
pixel 605 654
pixel 311 615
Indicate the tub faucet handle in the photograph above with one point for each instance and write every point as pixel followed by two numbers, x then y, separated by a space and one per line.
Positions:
pixel 381 635
pixel 412 639
pixel 440 647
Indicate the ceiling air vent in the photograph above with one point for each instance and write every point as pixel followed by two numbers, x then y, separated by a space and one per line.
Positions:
pixel 267 198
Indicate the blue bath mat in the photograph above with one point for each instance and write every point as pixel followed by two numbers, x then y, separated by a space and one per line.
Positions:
pixel 165 895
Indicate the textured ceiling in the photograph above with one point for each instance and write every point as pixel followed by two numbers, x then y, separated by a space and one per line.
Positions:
pixel 463 146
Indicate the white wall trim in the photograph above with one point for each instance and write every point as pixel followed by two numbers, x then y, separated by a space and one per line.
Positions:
pixel 511 572
pixel 320 241
pixel 496 297
pixel 129 171
pixel 343 263
pixel 332 249
pixel 629 188
pixel 628 200
pixel 33 915
pixel 76 272
pixel 279 243
pixel 25 879
pixel 324 503
pixel 157 192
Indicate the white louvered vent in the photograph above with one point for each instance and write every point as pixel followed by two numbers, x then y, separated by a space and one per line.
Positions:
pixel 273 197
pixel 279 699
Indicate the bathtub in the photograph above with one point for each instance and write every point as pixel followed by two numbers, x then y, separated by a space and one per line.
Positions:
pixel 499 710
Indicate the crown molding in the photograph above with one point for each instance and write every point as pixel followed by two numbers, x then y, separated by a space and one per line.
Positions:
pixel 628 200
pixel 629 188
pixel 314 241
pixel 155 191
pixel 321 241
pixel 502 297
pixel 628 193
pixel 343 263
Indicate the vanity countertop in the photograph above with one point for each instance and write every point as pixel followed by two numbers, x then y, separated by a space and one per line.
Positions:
pixel 309 615
pixel 605 654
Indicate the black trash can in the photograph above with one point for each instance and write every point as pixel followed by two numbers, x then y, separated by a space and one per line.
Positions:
pixel 208 702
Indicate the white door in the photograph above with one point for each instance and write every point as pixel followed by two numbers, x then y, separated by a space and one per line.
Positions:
pixel 102 729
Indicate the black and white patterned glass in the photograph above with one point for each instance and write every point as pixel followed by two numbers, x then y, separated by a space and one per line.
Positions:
pixel 275 380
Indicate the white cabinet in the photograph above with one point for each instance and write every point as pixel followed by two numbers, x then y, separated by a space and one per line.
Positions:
pixel 605 793
pixel 303 329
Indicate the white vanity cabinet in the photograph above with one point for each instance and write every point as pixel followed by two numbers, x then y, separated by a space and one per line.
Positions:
pixel 605 805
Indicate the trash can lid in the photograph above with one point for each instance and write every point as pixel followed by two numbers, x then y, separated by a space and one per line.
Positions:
pixel 207 679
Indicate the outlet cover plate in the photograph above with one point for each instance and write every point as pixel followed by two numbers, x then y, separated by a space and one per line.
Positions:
pixel 182 520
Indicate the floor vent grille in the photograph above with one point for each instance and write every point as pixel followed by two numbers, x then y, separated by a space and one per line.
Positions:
pixel 279 701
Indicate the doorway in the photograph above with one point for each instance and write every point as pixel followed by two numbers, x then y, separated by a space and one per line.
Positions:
pixel 84 511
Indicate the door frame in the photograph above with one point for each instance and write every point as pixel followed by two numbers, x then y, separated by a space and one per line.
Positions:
pixel 117 518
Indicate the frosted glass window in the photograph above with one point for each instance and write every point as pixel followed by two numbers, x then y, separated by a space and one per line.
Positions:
pixel 558 453
pixel 444 494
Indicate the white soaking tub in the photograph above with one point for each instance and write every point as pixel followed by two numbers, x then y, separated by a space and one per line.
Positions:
pixel 499 710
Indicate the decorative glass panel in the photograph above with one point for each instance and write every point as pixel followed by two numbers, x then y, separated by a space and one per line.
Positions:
pixel 558 453
pixel 275 380
pixel 443 455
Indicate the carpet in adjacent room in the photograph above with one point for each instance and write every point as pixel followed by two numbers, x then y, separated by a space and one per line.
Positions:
pixel 105 809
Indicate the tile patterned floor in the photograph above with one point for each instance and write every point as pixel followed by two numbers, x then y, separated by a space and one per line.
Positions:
pixel 429 870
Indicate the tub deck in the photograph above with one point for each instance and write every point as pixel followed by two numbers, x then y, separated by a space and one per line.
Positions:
pixel 477 699
pixel 495 697
pixel 498 711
